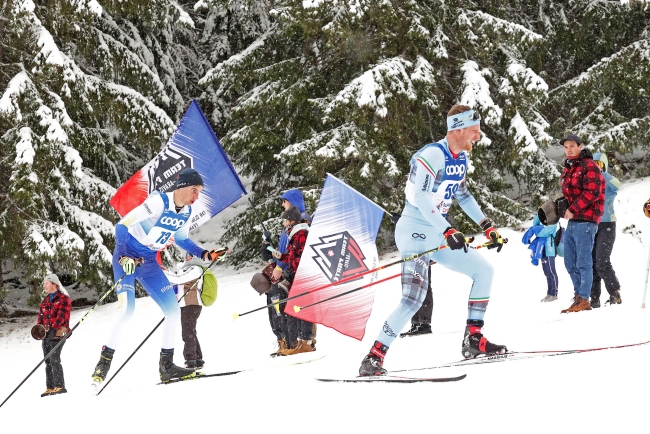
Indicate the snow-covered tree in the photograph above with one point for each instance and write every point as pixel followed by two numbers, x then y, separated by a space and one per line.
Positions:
pixel 88 92
pixel 355 87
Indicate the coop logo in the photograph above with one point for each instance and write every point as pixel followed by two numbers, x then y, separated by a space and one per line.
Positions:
pixel 455 170
pixel 339 257
pixel 172 222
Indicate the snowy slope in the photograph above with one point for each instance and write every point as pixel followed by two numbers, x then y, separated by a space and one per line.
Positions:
pixel 592 392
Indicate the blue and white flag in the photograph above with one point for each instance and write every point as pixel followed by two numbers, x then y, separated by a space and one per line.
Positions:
pixel 194 145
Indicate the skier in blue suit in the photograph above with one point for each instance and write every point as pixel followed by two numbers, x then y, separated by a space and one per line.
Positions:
pixel 437 177
pixel 162 219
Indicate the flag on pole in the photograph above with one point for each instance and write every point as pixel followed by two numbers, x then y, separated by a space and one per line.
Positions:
pixel 340 244
pixel 194 145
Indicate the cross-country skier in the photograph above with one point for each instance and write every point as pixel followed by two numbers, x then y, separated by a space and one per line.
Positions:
pixel 162 219
pixel 437 177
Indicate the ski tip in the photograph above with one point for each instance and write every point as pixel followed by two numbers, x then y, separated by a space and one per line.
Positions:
pixel 235 316
pixel 297 309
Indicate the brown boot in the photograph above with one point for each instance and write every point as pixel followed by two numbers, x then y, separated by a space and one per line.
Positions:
pixel 574 302
pixel 301 347
pixel 582 304
pixel 282 345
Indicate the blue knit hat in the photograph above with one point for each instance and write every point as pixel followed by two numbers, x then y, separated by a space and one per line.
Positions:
pixel 188 177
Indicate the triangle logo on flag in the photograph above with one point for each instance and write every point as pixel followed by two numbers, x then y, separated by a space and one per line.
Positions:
pixel 339 256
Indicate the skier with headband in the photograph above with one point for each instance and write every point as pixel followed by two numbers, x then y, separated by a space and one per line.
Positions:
pixel 437 176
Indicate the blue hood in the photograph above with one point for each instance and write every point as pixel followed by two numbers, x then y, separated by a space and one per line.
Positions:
pixel 294 196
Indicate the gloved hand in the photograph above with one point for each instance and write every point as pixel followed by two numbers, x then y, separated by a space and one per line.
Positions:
pixel 394 217
pixel 455 240
pixel 265 253
pixel 38 332
pixel 266 236
pixel 492 234
pixel 128 265
pixel 646 208
pixel 60 332
pixel 216 255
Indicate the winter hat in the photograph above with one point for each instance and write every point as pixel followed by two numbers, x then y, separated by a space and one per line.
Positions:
pixel 188 177
pixel 571 137
pixel 600 156
pixel 292 214
pixel 55 279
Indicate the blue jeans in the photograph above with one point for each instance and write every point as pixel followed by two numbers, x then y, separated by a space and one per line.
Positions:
pixel 578 244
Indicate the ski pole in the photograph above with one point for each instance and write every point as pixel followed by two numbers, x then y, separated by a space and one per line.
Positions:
pixel 354 277
pixel 646 280
pixel 298 308
pixel 65 337
pixel 220 258
pixel 259 218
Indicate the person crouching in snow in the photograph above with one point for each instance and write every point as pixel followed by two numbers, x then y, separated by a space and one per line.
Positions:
pixel 543 249
pixel 52 325
pixel 300 331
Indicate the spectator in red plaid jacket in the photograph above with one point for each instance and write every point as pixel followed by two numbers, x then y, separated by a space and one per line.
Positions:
pixel 583 186
pixel 54 315
pixel 300 333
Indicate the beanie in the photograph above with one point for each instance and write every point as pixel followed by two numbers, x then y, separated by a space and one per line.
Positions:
pixel 188 177
pixel 292 214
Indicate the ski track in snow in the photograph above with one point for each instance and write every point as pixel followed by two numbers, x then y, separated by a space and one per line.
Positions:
pixel 599 391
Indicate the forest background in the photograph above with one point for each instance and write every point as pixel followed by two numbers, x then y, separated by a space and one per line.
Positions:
pixel 91 90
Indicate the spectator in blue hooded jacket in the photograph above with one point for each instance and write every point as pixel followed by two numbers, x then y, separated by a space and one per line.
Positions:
pixel 543 249
pixel 604 240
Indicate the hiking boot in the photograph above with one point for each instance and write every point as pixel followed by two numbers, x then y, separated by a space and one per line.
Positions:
pixel 282 345
pixel 47 392
pixel 580 305
pixel 594 303
pixel 417 329
pixel 168 370
pixel 302 346
pixel 574 301
pixel 615 298
pixel 372 364
pixel 313 344
pixel 475 344
pixel 104 364
pixel 549 298
pixel 57 391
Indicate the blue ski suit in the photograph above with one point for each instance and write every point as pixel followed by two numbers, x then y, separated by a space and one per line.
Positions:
pixel 148 228
pixel 436 178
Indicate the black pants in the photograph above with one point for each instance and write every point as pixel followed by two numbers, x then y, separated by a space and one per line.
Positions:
pixel 424 314
pixel 277 317
pixel 189 317
pixel 53 369
pixel 602 251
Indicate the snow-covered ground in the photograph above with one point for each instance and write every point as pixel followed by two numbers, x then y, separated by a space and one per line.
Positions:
pixel 601 391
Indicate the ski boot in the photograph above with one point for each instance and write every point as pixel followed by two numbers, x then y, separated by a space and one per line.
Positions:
pixel 168 370
pixel 101 370
pixel 474 344
pixel 372 364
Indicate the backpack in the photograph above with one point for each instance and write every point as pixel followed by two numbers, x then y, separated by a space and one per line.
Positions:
pixel 209 291
pixel 559 242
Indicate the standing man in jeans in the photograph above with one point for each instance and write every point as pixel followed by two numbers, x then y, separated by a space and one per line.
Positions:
pixel 584 188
